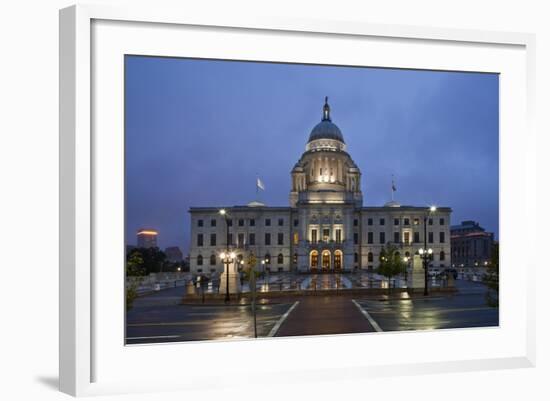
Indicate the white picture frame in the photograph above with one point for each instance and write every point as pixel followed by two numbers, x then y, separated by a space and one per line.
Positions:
pixel 90 362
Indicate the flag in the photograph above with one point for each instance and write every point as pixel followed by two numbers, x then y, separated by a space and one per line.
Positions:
pixel 393 188
pixel 260 184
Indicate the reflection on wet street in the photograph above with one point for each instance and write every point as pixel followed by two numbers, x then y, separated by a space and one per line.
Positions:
pixel 468 308
pixel 147 324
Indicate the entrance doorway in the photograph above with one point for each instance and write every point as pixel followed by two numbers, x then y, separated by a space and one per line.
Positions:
pixel 338 260
pixel 326 260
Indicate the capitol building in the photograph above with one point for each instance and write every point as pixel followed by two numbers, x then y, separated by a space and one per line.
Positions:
pixel 325 227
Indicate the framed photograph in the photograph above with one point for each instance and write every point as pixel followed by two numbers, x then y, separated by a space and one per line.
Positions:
pixel 304 199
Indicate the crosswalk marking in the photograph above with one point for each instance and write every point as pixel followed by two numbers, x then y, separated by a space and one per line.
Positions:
pixel 367 316
pixel 277 326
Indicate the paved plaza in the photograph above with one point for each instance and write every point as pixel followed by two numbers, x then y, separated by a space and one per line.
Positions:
pixel 160 317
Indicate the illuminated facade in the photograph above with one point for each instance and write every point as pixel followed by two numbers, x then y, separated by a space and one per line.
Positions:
pixel 325 228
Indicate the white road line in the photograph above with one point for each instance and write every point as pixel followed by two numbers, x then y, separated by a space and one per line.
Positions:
pixel 277 326
pixel 147 338
pixel 369 317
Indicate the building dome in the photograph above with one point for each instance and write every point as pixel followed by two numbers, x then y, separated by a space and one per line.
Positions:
pixel 326 129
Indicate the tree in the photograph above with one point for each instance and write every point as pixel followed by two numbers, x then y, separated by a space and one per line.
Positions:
pixel 491 278
pixel 153 260
pixel 391 263
pixel 134 274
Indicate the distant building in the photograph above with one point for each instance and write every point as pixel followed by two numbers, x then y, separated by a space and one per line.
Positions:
pixel 173 254
pixel 147 238
pixel 471 245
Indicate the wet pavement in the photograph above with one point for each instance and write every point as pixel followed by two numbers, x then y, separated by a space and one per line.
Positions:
pixel 316 315
pixel 160 317
pixel 467 308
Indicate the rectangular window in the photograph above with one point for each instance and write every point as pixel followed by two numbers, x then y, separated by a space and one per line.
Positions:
pixel 200 240
pixel 441 221
pixel 326 234
pixel 230 239
pixel 382 222
pixel 356 257
pixel 338 235
pixel 200 223
pixel 229 222
pixel 396 237
pixel 296 238
pixel 370 237
pixel 407 237
pixel 382 238
pixel 212 239
pixel 252 239
pixel 417 237
pixel 314 236
pixel 280 239
pixel 267 222
pixel 240 240
pixel 252 222
pixel 406 221
pixel 355 238
pixel 369 222
pixel 395 222
pixel 430 237
pixel 442 237
pixel 430 222
pixel 241 222
pixel 281 222
pixel 296 222
pixel 355 222
pixel 213 223
pixel 267 239
pixel 416 222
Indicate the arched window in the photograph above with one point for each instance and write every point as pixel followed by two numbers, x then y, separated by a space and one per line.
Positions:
pixel 397 255
pixel 370 257
pixel 199 260
pixel 212 260
pixel 280 259
pixel 407 254
pixel 267 259
pixel 356 257
pixel 441 255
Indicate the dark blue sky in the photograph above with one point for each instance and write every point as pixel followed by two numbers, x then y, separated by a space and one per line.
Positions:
pixel 199 131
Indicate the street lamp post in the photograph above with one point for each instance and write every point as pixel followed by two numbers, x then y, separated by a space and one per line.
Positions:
pixel 425 252
pixel 227 257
